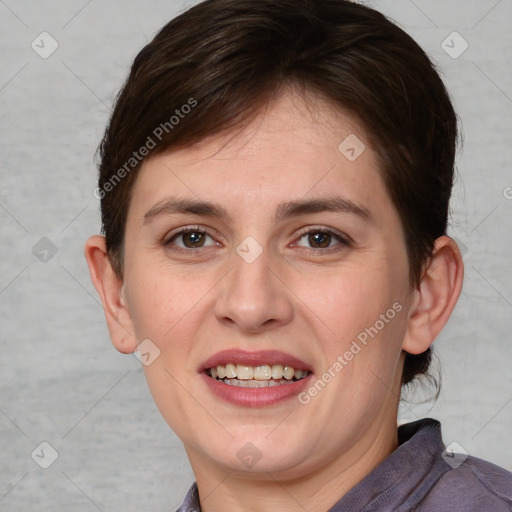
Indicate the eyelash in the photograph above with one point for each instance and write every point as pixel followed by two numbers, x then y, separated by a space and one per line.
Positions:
pixel 183 231
pixel 343 240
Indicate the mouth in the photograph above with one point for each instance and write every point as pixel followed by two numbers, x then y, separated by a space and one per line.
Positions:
pixel 261 376
pixel 255 379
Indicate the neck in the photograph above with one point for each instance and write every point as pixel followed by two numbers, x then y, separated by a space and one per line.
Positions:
pixel 315 491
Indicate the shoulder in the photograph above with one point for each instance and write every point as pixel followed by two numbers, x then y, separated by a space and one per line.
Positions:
pixel 473 486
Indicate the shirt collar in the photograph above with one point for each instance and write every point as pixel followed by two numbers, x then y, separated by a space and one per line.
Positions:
pixel 405 476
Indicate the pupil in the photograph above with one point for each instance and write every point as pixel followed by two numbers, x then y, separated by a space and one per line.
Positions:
pixel 193 239
pixel 320 239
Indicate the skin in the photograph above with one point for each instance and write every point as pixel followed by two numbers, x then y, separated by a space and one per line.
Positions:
pixel 305 300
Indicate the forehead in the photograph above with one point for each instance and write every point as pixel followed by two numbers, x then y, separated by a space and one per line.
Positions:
pixel 293 150
pixel 291 123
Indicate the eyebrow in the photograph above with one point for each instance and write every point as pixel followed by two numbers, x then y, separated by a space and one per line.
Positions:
pixel 333 204
pixel 172 206
pixel 284 210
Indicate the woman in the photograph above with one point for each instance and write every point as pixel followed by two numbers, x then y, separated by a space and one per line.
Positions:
pixel 274 186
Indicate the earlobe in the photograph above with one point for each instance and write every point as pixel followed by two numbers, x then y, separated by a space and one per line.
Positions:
pixel 110 288
pixel 435 297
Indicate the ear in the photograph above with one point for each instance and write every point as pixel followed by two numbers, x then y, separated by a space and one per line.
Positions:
pixel 110 289
pixel 435 297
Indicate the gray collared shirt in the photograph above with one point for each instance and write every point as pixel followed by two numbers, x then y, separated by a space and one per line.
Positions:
pixel 420 476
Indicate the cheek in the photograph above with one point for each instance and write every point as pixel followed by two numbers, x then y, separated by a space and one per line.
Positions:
pixel 348 301
pixel 358 314
pixel 171 310
pixel 156 302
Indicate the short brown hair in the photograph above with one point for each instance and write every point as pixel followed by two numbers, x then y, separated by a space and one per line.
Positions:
pixel 226 59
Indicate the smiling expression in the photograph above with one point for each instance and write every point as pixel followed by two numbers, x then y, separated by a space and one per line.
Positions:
pixel 263 250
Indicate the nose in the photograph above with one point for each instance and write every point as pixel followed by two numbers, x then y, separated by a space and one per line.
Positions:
pixel 253 296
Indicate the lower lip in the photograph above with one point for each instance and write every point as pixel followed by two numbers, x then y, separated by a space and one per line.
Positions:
pixel 255 397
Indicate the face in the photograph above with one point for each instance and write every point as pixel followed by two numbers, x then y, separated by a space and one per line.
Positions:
pixel 273 258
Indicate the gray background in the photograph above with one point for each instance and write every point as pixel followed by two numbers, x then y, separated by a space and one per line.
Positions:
pixel 62 382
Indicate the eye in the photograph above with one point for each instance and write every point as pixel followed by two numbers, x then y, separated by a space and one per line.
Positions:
pixel 320 239
pixel 191 238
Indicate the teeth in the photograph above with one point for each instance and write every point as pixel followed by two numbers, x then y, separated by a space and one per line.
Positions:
pixel 257 376
pixel 277 371
pixel 263 372
pixel 243 372
pixel 230 371
pixel 289 372
pixel 255 383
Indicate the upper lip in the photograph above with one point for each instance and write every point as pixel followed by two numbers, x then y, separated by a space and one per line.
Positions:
pixel 258 358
